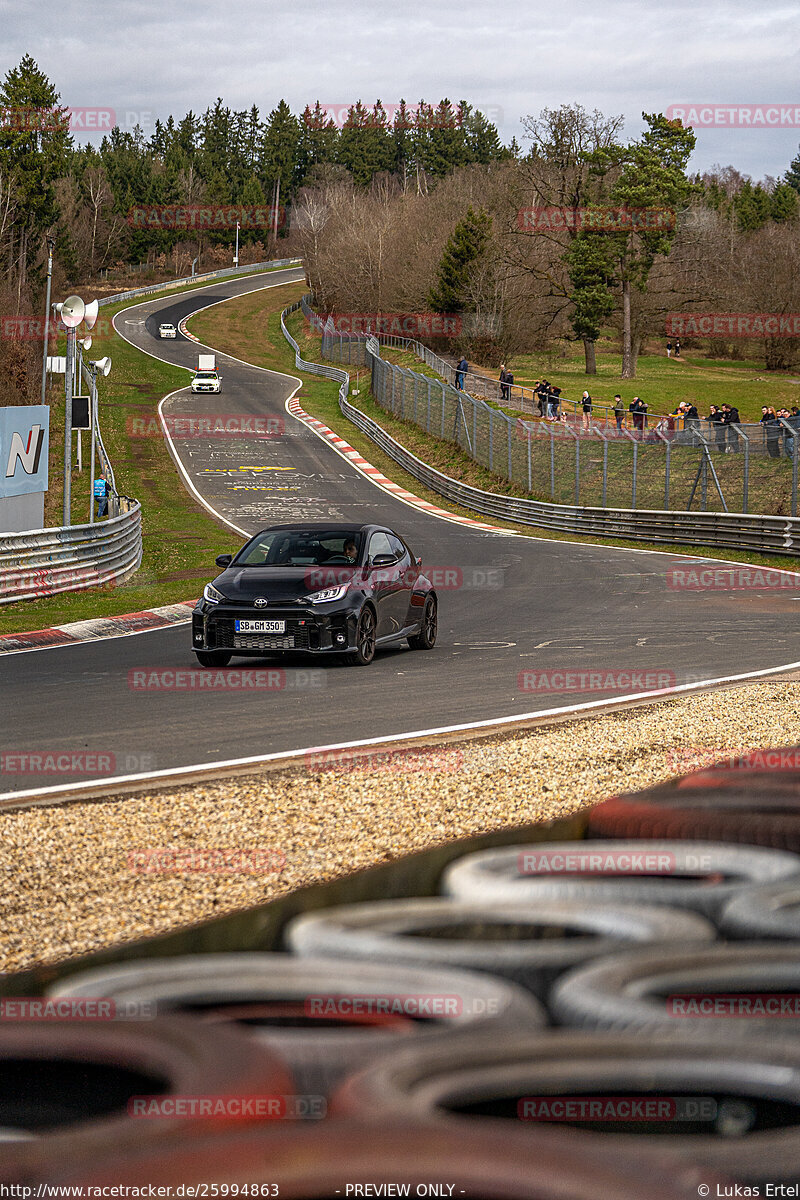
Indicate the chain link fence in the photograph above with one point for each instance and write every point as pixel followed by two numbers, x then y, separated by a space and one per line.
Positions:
pixel 662 463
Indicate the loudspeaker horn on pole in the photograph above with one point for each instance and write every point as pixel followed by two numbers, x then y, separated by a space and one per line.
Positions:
pixel 103 365
pixel 87 342
pixel 72 311
pixel 90 314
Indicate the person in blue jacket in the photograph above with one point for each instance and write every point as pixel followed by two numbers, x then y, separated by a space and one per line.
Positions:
pixel 101 496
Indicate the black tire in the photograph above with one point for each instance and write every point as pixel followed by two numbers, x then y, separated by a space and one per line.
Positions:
pixel 746 1095
pixel 213 658
pixel 491 1159
pixel 763 912
pixel 517 942
pixel 69 1082
pixel 364 652
pixel 726 803
pixel 317 1049
pixel 652 991
pixel 715 871
pixel 426 638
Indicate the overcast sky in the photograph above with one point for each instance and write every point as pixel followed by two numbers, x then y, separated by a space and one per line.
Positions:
pixel 148 58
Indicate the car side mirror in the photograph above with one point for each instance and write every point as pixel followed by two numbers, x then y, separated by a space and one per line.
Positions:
pixel 223 560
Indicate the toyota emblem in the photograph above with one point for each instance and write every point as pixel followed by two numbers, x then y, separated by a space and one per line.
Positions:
pixel 261 602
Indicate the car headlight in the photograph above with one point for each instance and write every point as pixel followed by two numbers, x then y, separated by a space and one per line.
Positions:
pixel 328 594
pixel 212 595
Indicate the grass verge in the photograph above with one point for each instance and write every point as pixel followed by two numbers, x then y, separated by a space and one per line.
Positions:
pixel 249 328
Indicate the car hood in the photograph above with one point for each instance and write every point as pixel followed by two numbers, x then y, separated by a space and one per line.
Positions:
pixel 279 583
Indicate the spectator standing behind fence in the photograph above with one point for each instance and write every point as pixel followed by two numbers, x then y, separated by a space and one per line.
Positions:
pixel 732 422
pixel 716 418
pixel 677 348
pixel 586 407
pixel 619 412
pixel 101 496
pixel 669 349
pixel 506 379
pixel 553 401
pixel 541 391
pixel 692 418
pixel 638 410
pixel 794 421
pixel 772 429
pixel 461 371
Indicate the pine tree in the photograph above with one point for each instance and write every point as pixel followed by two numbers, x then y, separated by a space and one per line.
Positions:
pixel 464 250
pixel 319 139
pixel 792 176
pixel 784 203
pixel 280 153
pixel 365 144
pixel 34 146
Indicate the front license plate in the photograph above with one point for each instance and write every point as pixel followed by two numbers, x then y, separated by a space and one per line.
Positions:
pixel 260 626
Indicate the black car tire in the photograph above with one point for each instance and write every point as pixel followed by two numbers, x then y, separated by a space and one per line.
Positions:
pixel 318 1051
pixel 755 1086
pixel 213 658
pixel 364 652
pixel 426 638
pixel 494 875
pixel 630 991
pixel 763 913
pixel 304 1160
pixel 518 942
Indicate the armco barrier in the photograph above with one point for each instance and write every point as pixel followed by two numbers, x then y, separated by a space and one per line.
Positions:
pixel 736 531
pixel 40 562
pixel 250 268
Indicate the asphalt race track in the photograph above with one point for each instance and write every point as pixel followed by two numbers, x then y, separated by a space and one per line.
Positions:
pixel 521 605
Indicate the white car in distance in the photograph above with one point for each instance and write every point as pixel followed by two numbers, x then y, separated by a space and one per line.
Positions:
pixel 206 381
pixel 165 330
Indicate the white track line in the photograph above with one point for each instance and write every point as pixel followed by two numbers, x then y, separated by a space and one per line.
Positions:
pixel 168 437
pixel 574 710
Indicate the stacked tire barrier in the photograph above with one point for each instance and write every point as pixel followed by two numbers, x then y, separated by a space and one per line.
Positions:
pixel 600 1006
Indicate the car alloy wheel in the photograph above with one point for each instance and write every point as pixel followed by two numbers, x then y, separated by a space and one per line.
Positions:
pixel 426 638
pixel 365 639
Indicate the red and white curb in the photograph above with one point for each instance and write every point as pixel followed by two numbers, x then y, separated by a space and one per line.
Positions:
pixel 377 477
pixel 98 629
pixel 185 331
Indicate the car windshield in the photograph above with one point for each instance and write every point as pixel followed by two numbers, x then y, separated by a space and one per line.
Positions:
pixel 167 326
pixel 297 548
pixel 206 375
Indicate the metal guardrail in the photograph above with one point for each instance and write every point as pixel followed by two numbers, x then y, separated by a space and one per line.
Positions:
pixel 41 562
pixel 250 268
pixel 740 531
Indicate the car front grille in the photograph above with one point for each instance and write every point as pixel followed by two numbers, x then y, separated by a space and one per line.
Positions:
pixel 226 638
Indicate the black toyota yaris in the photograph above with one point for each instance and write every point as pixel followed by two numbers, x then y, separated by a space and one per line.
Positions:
pixel 320 589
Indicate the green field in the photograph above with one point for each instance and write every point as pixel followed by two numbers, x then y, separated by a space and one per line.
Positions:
pixel 249 328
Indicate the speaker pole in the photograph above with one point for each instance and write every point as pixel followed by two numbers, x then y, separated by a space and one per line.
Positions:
pixel 68 428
